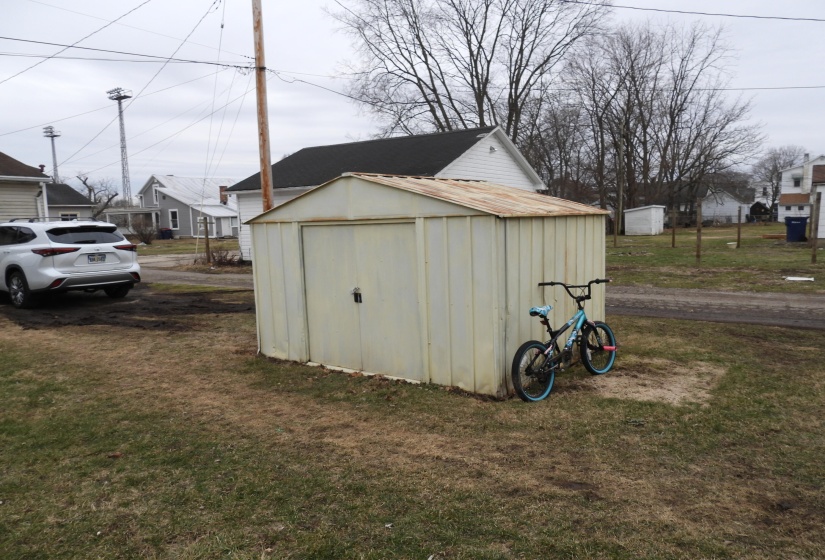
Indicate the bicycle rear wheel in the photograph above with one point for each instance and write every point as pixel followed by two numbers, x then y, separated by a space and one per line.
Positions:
pixel 598 348
pixel 531 380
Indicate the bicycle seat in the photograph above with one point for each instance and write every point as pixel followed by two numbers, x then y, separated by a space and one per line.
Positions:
pixel 541 311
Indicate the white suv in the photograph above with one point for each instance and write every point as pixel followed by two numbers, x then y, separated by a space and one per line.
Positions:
pixel 55 256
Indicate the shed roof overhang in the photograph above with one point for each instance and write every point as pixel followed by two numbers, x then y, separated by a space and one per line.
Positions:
pixel 480 196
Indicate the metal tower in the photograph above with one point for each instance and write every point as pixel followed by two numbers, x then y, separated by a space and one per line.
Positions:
pixel 50 132
pixel 119 94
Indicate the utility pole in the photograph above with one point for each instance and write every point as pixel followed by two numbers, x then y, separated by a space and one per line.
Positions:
pixel 263 118
pixel 119 94
pixel 50 132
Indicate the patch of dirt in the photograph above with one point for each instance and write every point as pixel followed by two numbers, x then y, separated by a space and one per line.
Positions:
pixel 141 309
pixel 658 380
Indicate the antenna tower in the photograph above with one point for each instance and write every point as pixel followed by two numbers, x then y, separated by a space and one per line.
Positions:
pixel 50 132
pixel 119 94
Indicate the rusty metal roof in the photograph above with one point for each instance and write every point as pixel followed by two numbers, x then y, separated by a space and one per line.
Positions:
pixel 505 202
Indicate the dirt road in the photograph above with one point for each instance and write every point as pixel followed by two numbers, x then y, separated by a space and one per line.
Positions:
pixel 787 310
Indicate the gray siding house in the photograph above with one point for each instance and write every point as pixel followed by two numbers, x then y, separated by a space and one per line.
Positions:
pixel 182 203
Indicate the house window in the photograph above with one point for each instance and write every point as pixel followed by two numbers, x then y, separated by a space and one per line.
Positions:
pixel 67 217
pixel 764 191
pixel 797 181
pixel 787 208
pixel 155 193
pixel 173 219
pixel 800 207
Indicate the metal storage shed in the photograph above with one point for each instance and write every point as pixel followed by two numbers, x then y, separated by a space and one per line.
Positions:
pixel 418 278
pixel 645 220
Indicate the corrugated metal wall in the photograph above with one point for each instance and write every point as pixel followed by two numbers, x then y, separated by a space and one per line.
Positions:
pixel 564 249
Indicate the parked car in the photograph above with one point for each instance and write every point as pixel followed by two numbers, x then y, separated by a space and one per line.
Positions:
pixel 38 257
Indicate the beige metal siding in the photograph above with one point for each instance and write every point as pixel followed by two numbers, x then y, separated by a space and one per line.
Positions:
pixel 567 249
pixel 462 284
pixel 382 332
pixel 279 291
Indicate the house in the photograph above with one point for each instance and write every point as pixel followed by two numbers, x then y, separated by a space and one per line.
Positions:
pixel 180 204
pixel 800 184
pixel 419 278
pixel 481 153
pixel 66 203
pixel 645 220
pixel 22 189
pixel 722 204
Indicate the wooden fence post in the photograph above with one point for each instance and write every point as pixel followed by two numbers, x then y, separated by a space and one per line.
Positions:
pixel 739 228
pixel 698 231
pixel 673 225
pixel 815 225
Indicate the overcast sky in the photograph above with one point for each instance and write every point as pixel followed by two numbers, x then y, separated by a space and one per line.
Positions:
pixel 168 125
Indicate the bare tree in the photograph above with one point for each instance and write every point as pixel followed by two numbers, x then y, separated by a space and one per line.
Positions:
pixel 658 112
pixel 101 192
pixel 768 169
pixel 450 64
pixel 143 228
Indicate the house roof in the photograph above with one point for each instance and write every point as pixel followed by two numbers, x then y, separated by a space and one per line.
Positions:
pixel 64 195
pixel 421 155
pixel 794 198
pixel 499 200
pixel 194 191
pixel 10 167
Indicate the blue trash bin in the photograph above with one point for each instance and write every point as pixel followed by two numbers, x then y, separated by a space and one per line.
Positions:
pixel 795 229
pixel 166 233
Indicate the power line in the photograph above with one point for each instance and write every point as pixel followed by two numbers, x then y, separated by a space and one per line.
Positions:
pixel 133 27
pixel 76 42
pixel 155 58
pixel 688 12
pixel 152 79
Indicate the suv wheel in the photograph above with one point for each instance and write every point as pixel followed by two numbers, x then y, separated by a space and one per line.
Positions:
pixel 19 292
pixel 117 292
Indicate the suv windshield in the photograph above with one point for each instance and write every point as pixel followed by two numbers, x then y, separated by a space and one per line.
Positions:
pixel 85 234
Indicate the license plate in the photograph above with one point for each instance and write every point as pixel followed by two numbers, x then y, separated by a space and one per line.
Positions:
pixel 97 258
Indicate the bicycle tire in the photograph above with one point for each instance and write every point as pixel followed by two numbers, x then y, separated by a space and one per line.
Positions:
pixel 598 348
pixel 531 382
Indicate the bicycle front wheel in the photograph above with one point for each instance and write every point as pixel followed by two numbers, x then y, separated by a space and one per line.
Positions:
pixel 531 379
pixel 598 348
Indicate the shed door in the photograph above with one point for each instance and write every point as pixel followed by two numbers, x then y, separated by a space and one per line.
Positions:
pixel 381 333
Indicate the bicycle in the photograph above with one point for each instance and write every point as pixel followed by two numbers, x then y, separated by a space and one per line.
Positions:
pixel 535 363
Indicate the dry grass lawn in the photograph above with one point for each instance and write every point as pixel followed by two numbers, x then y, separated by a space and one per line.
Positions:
pixel 178 442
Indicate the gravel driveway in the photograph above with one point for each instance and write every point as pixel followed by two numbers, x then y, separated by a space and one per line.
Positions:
pixel 779 309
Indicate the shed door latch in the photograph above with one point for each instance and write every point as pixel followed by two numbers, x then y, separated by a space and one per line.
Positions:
pixel 356 294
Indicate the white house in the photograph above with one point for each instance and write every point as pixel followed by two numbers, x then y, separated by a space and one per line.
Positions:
pixel 800 184
pixel 181 204
pixel 721 206
pixel 419 278
pixel 485 154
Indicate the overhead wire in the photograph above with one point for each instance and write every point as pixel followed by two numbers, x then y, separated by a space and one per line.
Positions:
pixel 152 79
pixel 76 42
pixel 144 30
pixel 695 13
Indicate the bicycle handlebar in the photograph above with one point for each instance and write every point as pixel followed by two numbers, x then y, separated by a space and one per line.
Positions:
pixel 596 281
pixel 580 299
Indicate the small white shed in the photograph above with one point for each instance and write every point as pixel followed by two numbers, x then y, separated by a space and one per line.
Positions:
pixel 645 220
pixel 419 278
